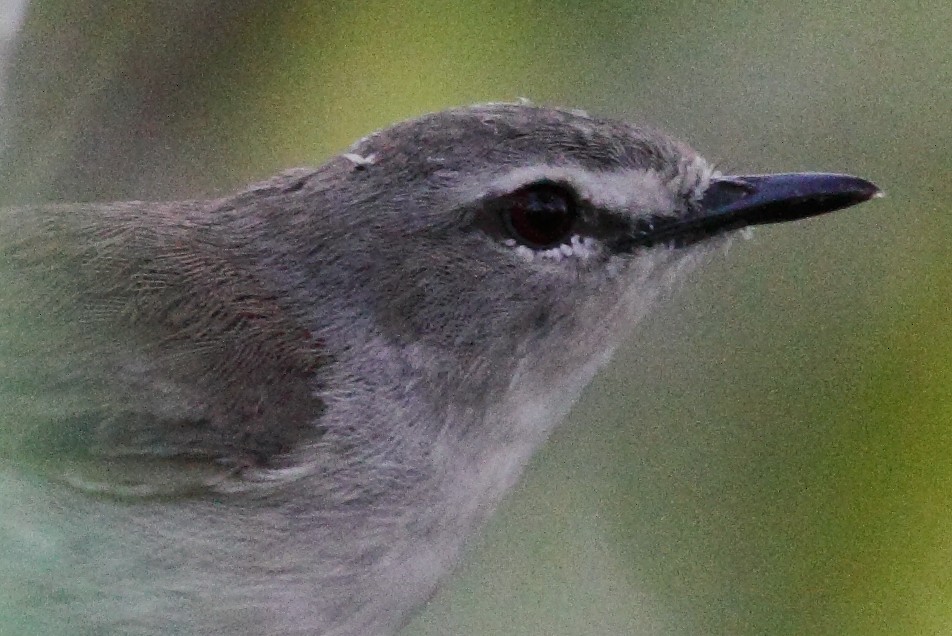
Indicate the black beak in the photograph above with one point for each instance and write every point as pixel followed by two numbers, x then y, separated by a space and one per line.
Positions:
pixel 730 203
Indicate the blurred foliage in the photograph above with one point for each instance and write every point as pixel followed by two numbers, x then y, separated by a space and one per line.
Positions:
pixel 771 453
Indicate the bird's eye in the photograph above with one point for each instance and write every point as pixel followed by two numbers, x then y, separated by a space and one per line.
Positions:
pixel 541 215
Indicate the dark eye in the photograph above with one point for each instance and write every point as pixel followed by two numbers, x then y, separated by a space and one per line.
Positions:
pixel 540 215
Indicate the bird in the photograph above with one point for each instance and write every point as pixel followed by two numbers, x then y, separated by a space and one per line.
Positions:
pixel 285 411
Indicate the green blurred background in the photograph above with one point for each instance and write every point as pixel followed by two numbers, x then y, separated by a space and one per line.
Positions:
pixel 772 453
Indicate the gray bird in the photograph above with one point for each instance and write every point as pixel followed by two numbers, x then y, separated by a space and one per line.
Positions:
pixel 284 411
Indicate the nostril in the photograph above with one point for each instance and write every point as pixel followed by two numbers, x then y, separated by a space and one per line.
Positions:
pixel 723 193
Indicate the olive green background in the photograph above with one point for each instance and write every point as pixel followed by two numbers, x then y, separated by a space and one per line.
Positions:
pixel 771 453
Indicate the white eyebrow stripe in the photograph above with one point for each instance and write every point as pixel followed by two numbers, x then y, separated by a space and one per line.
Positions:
pixel 642 190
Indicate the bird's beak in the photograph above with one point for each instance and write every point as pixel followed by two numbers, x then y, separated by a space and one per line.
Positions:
pixel 733 202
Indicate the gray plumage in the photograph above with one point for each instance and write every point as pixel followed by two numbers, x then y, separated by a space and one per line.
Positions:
pixel 284 411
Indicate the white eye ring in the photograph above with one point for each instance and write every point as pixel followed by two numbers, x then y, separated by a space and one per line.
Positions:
pixel 578 247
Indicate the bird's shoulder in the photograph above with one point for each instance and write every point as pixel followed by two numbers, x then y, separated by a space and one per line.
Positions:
pixel 143 331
